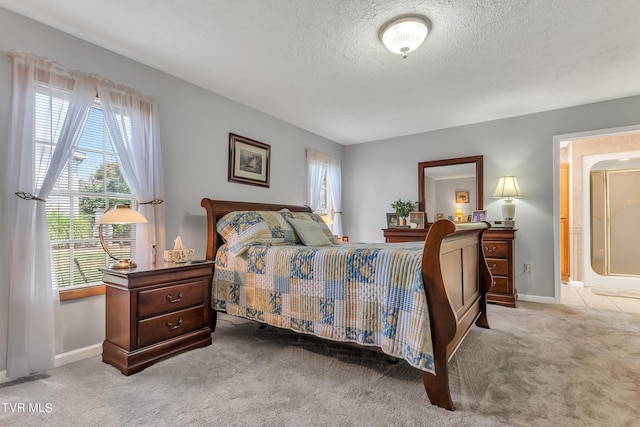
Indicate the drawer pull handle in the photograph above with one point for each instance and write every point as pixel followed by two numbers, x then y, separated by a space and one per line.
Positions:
pixel 493 266
pixel 172 326
pixel 493 249
pixel 172 300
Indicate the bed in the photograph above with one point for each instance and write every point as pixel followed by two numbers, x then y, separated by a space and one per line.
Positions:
pixel 415 301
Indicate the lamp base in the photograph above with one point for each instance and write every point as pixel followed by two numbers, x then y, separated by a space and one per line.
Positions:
pixel 508 210
pixel 123 264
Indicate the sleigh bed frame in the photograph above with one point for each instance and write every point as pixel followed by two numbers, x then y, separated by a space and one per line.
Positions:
pixel 456 283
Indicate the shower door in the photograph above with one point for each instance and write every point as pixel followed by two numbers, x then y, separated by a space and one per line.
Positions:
pixel 615 222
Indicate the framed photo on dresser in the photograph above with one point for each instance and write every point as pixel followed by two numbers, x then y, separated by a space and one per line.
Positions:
pixel 479 216
pixel 392 220
pixel 417 218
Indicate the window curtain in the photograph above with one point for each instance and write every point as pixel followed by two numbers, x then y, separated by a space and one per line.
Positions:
pixel 334 176
pixel 33 300
pixel 316 169
pixel 132 122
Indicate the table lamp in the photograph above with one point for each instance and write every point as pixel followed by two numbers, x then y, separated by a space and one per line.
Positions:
pixel 119 214
pixel 508 189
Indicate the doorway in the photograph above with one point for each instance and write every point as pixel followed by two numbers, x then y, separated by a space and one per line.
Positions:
pixel 572 209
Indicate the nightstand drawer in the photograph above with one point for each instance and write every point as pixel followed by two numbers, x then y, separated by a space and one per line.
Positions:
pixel 169 298
pixel 160 328
pixel 500 285
pixel 495 249
pixel 498 267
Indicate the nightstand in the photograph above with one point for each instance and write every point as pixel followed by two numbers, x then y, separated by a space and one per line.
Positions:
pixel 155 311
pixel 499 251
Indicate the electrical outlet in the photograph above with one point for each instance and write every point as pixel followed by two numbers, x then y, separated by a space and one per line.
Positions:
pixel 527 268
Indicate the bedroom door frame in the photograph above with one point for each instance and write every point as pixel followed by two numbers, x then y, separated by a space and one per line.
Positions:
pixel 557 142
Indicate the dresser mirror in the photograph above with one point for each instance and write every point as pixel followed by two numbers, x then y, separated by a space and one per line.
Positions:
pixel 450 187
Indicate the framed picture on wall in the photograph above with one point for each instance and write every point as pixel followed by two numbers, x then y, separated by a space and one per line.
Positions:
pixel 249 161
pixel 462 197
pixel 479 216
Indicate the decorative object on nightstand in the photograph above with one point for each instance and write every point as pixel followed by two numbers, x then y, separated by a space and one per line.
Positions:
pixel 508 189
pixel 119 214
pixel 179 253
pixel 155 311
pixel 402 210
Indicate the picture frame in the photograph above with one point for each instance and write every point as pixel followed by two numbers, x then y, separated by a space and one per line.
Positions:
pixel 479 216
pixel 249 161
pixel 462 197
pixel 417 218
pixel 392 220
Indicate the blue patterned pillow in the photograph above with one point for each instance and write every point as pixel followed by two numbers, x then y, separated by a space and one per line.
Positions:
pixel 241 229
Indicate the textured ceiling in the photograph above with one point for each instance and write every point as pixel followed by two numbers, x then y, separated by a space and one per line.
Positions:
pixel 320 65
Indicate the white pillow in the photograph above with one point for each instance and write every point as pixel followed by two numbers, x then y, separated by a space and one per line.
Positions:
pixel 309 232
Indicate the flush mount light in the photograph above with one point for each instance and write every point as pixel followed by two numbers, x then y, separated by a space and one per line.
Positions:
pixel 405 34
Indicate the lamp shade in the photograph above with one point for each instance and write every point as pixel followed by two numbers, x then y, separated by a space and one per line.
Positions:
pixel 119 214
pixel 122 214
pixel 405 34
pixel 508 188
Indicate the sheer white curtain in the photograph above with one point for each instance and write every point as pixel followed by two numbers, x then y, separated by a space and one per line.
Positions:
pixel 31 345
pixel 334 176
pixel 132 121
pixel 316 169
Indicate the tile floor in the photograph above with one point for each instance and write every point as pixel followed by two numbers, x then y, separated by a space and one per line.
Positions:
pixel 572 295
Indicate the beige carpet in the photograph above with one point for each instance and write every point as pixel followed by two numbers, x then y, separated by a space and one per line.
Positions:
pixel 539 365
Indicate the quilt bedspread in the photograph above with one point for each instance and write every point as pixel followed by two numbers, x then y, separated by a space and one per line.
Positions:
pixel 369 294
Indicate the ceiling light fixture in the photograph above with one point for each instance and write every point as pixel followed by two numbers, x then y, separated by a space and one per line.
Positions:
pixel 405 34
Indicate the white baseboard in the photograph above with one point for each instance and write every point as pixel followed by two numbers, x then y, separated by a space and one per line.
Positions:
pixel 536 298
pixel 79 354
pixel 66 358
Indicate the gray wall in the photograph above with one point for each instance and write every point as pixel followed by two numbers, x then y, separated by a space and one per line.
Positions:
pixel 521 146
pixel 194 128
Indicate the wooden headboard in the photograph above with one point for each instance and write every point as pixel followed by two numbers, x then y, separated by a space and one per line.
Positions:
pixel 216 209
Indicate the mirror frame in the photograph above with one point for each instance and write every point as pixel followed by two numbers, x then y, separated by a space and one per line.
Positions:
pixel 477 160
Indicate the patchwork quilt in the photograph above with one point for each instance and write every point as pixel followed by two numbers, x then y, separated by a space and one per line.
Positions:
pixel 369 294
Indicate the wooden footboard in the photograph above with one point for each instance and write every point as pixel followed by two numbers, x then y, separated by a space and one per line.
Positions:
pixel 455 282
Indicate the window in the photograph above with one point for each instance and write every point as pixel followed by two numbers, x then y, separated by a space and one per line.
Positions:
pixel 324 187
pixel 90 183
pixel 324 203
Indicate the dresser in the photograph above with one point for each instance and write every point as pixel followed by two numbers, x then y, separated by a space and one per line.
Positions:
pixel 155 311
pixel 499 251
